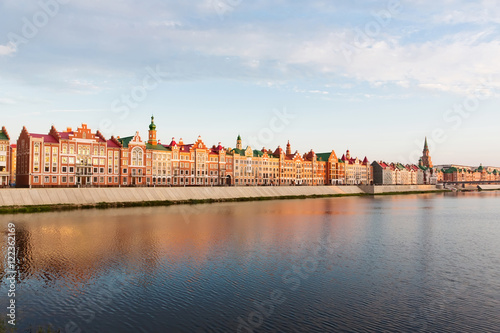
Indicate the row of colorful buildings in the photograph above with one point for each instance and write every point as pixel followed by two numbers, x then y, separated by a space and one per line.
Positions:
pixel 399 174
pixel 84 158
pixel 468 174
pixel 81 158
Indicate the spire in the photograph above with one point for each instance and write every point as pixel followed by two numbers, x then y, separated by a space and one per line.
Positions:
pixel 238 143
pixel 288 148
pixel 152 126
pixel 152 132
pixel 426 146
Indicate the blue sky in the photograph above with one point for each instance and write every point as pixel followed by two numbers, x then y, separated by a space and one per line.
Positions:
pixel 374 77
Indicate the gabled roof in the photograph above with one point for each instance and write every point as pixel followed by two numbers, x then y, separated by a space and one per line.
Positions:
pixel 4 135
pixel 278 151
pixel 113 143
pixel 257 153
pixel 125 141
pixel 240 152
pixel 46 138
pixel 323 156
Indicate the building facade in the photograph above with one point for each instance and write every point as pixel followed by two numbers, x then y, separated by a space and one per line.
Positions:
pixel 5 160
pixel 397 174
pixel 13 162
pixel 81 158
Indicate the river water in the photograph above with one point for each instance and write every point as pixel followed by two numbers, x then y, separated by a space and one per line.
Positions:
pixel 419 263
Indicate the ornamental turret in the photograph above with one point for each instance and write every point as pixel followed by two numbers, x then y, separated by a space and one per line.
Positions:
pixel 152 132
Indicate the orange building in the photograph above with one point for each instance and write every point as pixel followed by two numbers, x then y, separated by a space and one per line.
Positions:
pixel 69 158
pixel 13 161
pixel 82 158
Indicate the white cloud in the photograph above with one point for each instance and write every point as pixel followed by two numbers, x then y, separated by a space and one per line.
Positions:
pixel 7 101
pixel 7 49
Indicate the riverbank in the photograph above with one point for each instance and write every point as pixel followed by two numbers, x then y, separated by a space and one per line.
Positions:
pixel 61 199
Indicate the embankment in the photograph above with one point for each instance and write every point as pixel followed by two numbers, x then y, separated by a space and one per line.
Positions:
pixel 489 187
pixel 40 199
pixel 389 189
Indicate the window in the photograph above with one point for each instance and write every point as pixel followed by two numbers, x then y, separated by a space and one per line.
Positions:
pixel 110 179
pixel 64 169
pixel 71 179
pixel 64 179
pixel 95 179
pixel 137 156
pixel 101 179
pixel 54 179
pixel 35 179
pixel 124 170
pixel 71 169
pixel 101 170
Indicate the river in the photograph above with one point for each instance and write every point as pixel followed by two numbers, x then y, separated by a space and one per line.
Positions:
pixel 425 263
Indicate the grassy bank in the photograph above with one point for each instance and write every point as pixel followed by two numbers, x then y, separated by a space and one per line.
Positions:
pixel 106 205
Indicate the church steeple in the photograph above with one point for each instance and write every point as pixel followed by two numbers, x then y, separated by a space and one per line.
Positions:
pixel 425 160
pixel 238 143
pixel 152 132
pixel 288 148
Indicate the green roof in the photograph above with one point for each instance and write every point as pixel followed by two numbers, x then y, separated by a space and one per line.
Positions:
pixel 239 137
pixel 450 170
pixel 239 151
pixel 152 126
pixel 125 141
pixel 156 147
pixel 3 136
pixel 323 156
pixel 257 153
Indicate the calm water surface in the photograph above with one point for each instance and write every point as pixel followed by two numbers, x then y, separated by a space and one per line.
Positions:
pixel 428 263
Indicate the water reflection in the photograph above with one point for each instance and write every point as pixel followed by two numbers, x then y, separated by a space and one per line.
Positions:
pixel 394 263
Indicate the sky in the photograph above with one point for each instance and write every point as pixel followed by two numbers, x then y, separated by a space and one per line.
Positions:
pixel 374 77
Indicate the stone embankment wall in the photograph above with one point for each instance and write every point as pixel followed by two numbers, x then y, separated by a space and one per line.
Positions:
pixel 398 188
pixel 489 187
pixel 90 196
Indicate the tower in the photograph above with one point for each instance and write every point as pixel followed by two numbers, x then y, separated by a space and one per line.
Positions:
pixel 152 132
pixel 288 148
pixel 238 143
pixel 425 160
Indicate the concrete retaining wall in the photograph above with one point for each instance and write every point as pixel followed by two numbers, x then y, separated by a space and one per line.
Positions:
pixel 85 196
pixel 397 188
pixel 489 187
pixel 54 196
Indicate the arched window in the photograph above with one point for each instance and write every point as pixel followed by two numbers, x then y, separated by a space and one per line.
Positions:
pixel 137 156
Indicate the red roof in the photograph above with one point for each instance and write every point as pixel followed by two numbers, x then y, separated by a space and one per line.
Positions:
pixel 112 144
pixel 46 137
pixel 65 135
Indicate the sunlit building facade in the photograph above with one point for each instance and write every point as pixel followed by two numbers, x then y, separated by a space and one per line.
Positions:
pixel 82 158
